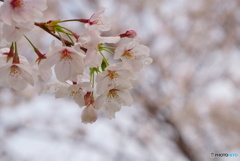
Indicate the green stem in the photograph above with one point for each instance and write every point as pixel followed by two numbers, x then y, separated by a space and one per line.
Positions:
pixel 108 51
pixel 109 47
pixel 78 20
pixel 30 42
pixel 70 38
pixel 63 42
pixel 42 26
pixel 67 30
pixel 104 58
pixel 92 80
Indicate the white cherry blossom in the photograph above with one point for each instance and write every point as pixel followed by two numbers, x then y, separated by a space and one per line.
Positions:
pixel 16 76
pixel 43 73
pixel 91 39
pixel 76 91
pixel 133 55
pixel 53 87
pixel 3 41
pixel 113 75
pixel 102 22
pixel 112 100
pixel 21 11
pixel 68 62
pixel 14 32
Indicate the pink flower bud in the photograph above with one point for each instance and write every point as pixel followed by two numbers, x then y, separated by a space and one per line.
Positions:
pixel 89 114
pixel 129 34
pixel 88 98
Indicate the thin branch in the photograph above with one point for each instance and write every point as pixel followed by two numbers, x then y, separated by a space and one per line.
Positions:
pixel 66 42
pixel 42 26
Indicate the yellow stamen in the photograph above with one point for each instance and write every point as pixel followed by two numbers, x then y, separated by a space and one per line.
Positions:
pixel 129 54
pixel 112 74
pixel 15 71
pixel 65 55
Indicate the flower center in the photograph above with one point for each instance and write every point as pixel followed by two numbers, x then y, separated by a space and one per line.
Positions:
pixel 16 3
pixel 97 21
pixel 112 95
pixel 112 74
pixel 15 71
pixel 65 55
pixel 129 54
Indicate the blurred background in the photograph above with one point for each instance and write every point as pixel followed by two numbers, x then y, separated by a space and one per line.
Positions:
pixel 187 102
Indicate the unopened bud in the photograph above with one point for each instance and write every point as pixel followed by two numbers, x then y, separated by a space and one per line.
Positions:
pixel 89 114
pixel 51 25
pixel 129 34
pixel 88 98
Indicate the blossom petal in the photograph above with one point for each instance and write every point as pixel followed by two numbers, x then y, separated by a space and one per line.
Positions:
pixel 100 100
pixel 62 92
pixel 45 74
pixel 126 98
pixel 50 61
pixel 79 99
pixel 16 83
pixel 63 71
pixel 27 76
pixel 110 109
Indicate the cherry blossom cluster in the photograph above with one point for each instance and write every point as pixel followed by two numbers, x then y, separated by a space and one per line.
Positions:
pixel 95 71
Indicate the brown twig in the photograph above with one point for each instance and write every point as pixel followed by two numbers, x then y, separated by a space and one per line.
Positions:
pixel 43 26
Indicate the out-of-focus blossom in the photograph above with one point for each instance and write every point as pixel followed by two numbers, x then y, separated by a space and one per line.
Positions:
pixel 21 11
pixel 14 32
pixel 3 41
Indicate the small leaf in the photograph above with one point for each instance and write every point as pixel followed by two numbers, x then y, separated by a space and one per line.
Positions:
pixel 103 65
